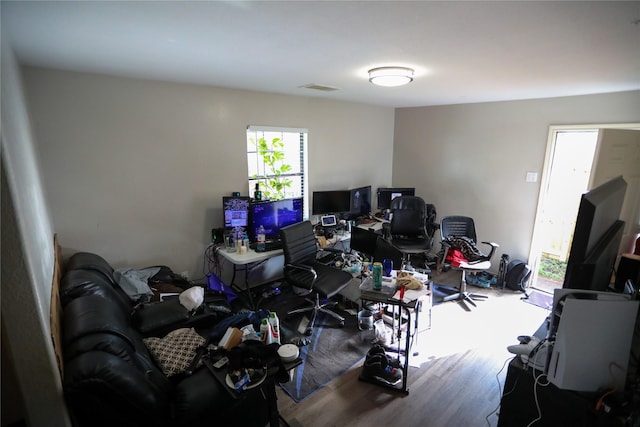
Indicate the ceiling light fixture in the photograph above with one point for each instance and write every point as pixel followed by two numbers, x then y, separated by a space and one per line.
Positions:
pixel 391 76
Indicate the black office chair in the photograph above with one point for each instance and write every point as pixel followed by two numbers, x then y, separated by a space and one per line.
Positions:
pixel 459 232
pixel 408 228
pixel 304 272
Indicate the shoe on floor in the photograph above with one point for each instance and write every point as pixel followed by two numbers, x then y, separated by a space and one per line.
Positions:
pixel 378 368
pixel 379 350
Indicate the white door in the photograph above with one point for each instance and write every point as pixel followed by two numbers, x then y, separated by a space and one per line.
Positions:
pixel 618 153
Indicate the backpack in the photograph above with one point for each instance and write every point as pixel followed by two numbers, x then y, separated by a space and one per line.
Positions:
pixel 517 275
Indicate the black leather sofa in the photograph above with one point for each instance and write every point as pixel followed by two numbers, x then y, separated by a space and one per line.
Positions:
pixel 111 379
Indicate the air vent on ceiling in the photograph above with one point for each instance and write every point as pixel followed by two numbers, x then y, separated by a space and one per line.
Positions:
pixel 316 86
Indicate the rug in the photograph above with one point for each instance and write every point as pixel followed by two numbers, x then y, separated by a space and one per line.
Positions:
pixel 332 350
pixel 540 299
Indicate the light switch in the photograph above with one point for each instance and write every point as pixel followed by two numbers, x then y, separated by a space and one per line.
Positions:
pixel 532 176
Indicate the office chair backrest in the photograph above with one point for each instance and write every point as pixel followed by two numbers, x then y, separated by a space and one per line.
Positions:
pixel 385 250
pixel 363 241
pixel 458 226
pixel 407 222
pixel 414 203
pixel 299 243
pixel 409 216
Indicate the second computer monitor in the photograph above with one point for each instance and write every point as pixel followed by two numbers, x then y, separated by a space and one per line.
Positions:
pixel 360 201
pixel 331 202
pixel 273 215
pixel 236 211
pixel 386 195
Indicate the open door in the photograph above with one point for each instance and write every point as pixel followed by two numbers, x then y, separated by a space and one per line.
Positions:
pixel 616 152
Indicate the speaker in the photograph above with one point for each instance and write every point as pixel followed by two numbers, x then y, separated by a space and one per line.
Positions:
pixel 628 269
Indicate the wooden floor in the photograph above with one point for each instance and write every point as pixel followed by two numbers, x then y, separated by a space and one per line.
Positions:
pixel 458 386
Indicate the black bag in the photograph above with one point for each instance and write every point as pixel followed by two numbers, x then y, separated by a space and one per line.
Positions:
pixel 517 275
pixel 166 275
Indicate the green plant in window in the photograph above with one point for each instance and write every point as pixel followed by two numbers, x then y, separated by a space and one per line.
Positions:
pixel 274 182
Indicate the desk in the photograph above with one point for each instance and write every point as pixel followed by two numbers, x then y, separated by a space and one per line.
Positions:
pixel 243 262
pixel 387 297
pixel 557 407
pixel 267 388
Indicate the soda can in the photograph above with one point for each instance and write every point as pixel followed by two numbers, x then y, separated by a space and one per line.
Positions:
pixel 377 276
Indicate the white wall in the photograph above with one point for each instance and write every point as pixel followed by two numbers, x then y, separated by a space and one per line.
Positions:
pixel 27 259
pixel 472 159
pixel 135 170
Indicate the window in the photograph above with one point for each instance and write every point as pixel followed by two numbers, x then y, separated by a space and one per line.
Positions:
pixel 277 161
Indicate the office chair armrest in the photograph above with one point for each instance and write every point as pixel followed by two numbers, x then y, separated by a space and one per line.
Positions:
pixel 302 273
pixel 494 246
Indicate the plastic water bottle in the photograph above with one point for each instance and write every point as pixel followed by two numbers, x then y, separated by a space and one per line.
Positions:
pixel 275 326
pixel 265 332
pixel 260 247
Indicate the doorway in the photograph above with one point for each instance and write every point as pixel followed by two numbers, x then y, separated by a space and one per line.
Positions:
pixel 577 159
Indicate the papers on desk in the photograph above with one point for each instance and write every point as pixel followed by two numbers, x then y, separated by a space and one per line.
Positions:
pixel 389 289
pixel 410 295
pixel 372 226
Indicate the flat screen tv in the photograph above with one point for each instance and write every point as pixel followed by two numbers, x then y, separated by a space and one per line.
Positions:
pixel 273 215
pixel 596 237
pixel 386 195
pixel 236 211
pixel 330 202
pixel 360 201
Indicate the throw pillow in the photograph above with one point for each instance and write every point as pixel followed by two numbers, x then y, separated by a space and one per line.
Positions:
pixel 175 351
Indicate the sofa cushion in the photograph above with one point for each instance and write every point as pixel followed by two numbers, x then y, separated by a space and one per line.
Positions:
pixel 175 352
pixel 79 283
pixel 91 261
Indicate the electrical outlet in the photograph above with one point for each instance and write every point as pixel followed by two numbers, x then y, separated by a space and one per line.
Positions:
pixel 185 274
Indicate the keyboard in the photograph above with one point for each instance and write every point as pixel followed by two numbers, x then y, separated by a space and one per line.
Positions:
pixel 271 245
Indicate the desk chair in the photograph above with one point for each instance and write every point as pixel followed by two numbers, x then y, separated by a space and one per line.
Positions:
pixel 452 227
pixel 363 241
pixel 408 228
pixel 305 273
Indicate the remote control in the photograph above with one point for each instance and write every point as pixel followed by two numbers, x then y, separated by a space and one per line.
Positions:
pixel 221 362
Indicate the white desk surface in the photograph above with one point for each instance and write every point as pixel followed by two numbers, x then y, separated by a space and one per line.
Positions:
pixel 247 258
pixel 373 226
pixel 252 256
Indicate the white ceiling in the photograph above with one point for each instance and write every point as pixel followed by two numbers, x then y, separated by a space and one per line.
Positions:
pixel 462 52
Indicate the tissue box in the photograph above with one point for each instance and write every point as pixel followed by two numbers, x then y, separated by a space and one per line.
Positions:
pixel 232 337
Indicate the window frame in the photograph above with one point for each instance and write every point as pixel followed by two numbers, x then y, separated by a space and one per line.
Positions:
pixel 256 132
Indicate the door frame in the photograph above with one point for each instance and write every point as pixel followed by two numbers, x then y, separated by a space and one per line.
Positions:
pixel 534 250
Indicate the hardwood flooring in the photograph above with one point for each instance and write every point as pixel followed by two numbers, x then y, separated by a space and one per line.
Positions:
pixel 458 384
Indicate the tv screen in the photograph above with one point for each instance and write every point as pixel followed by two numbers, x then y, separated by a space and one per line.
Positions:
pixel 386 195
pixel 597 234
pixel 360 201
pixel 236 211
pixel 273 215
pixel 330 202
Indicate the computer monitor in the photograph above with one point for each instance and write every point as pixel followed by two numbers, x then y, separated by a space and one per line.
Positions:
pixel 273 215
pixel 596 237
pixel 360 201
pixel 386 195
pixel 236 211
pixel 331 202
